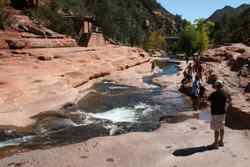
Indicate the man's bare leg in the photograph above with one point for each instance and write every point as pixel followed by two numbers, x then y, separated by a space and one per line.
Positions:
pixel 221 142
pixel 216 140
pixel 216 137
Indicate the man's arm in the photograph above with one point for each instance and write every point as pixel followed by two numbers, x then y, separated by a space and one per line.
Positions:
pixel 210 97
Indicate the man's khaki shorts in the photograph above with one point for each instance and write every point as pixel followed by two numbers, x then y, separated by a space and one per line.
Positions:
pixel 217 122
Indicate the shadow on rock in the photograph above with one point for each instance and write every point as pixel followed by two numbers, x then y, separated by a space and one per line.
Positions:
pixel 192 150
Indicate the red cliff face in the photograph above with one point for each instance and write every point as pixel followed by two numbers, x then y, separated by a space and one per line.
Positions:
pixel 41 69
pixel 25 34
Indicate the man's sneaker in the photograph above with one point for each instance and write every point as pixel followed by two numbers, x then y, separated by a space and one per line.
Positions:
pixel 221 144
pixel 213 146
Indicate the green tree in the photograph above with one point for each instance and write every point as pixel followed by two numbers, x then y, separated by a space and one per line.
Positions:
pixel 188 40
pixel 4 22
pixel 203 30
pixel 1 14
pixel 155 41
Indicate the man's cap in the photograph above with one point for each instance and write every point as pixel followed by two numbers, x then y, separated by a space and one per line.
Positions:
pixel 219 83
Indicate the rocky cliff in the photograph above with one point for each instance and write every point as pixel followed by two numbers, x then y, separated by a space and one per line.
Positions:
pixel 127 21
pixel 42 69
pixel 22 32
pixel 231 24
pixel 228 12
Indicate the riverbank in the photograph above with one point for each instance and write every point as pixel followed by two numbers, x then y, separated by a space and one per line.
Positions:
pixel 155 149
pixel 178 142
pixel 39 80
pixel 231 64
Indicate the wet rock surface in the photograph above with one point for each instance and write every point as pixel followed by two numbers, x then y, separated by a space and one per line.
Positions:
pixel 38 80
pixel 158 146
pixel 183 144
pixel 109 109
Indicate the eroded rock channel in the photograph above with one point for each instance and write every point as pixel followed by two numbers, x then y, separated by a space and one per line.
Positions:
pixel 108 109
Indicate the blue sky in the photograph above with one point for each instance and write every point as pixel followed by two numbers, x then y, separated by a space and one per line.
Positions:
pixel 192 9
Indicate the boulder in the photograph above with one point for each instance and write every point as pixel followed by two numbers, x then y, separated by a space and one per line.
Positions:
pixel 52 43
pixel 241 61
pixel 213 55
pixel 209 58
pixel 236 119
pixel 16 43
pixel 235 49
pixel 222 53
pixel 44 58
pixel 36 30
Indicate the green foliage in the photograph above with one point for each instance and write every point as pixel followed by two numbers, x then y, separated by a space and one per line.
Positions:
pixel 4 22
pixel 195 37
pixel 122 20
pixel 1 15
pixel 174 47
pixel 232 27
pixel 49 16
pixel 188 40
pixel 202 41
pixel 155 41
pixel 203 29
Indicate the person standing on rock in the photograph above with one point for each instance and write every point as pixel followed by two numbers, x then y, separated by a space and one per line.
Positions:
pixel 152 65
pixel 218 101
pixel 187 59
pixel 196 85
pixel 199 70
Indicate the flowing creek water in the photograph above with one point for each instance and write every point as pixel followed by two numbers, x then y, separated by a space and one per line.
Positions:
pixel 109 109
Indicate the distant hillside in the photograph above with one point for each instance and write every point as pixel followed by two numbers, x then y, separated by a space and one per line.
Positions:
pixel 126 21
pixel 228 12
pixel 231 24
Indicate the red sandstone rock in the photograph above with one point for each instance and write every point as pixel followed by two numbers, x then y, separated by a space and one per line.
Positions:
pixel 16 44
pixel 208 58
pixel 235 49
pixel 40 43
pixel 35 30
pixel 51 43
pixel 222 53
pixel 33 86
pixel 240 61
pixel 44 58
pixel 243 59
pixel 26 34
